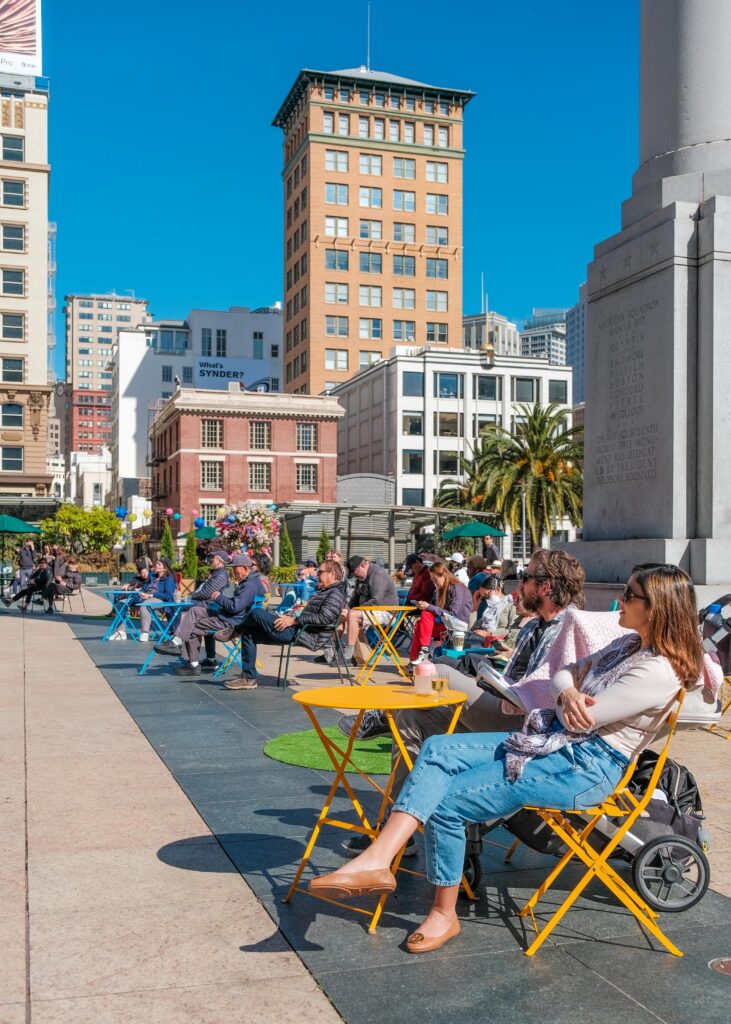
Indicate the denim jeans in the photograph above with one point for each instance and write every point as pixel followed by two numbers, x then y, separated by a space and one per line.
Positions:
pixel 258 627
pixel 461 778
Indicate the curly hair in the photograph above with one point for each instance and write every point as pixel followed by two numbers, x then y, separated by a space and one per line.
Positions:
pixel 671 603
pixel 564 574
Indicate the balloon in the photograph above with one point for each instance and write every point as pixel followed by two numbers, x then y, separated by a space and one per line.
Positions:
pixel 194 512
pixel 222 511
pixel 147 512
pixel 168 511
pixel 199 522
pixel 132 517
pixel 230 520
pixel 176 516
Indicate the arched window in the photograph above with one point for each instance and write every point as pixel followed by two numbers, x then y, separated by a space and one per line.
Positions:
pixel 12 415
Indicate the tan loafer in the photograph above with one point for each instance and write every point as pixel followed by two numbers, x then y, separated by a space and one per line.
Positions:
pixel 417 942
pixel 355 883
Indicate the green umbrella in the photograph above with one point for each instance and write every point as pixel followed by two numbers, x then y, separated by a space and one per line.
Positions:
pixel 204 533
pixel 472 529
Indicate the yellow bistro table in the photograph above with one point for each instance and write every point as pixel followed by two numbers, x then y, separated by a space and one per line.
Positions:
pixel 386 632
pixel 361 699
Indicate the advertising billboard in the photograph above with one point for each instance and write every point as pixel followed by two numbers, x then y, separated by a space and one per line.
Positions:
pixel 217 374
pixel 20 37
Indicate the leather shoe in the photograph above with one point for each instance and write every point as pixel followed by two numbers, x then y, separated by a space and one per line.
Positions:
pixel 417 942
pixel 355 883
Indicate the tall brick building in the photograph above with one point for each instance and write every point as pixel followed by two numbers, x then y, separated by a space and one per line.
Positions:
pixel 212 448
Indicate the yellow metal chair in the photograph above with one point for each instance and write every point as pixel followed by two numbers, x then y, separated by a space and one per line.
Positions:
pixel 622 808
pixel 725 705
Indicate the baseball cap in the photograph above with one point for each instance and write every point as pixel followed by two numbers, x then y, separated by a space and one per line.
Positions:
pixel 242 559
pixel 219 553
pixel 353 562
pixel 310 561
pixel 410 559
pixel 457 558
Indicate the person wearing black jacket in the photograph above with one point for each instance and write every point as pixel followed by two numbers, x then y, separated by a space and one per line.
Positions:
pixel 37 584
pixel 67 584
pixel 26 562
pixel 262 626
pixel 217 580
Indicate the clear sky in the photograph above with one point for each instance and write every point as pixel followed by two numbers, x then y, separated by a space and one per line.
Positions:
pixel 166 171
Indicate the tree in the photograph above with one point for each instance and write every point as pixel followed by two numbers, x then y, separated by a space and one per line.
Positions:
pixel 82 531
pixel 167 544
pixel 286 551
pixel 190 556
pixel 542 460
pixel 323 547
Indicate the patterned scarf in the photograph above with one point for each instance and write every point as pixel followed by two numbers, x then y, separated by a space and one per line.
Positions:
pixel 538 737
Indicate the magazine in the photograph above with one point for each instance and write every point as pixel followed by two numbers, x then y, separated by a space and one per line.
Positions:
pixel 488 678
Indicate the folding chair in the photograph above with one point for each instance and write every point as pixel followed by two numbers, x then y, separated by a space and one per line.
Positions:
pixel 623 807
pixel 63 598
pixel 334 640
pixel 233 646
pixel 726 704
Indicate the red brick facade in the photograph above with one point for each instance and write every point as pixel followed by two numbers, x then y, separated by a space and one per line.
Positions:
pixel 90 423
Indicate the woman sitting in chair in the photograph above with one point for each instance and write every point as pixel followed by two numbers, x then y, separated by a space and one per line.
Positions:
pixel 161 589
pixel 449 596
pixel 609 708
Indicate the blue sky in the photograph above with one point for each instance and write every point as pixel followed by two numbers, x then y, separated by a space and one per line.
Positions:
pixel 166 171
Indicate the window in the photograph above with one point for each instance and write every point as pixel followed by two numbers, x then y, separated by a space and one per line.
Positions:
pixel 220 342
pixel 336 160
pixel 336 293
pixel 371 229
pixel 413 496
pixel 12 371
pixel 187 375
pixel 412 384
pixel 404 200
pixel 428 106
pixel 369 295
pixel 370 328
pixel 428 134
pixel 260 435
pixel 336 326
pixel 13 148
pixel 336 226
pixel 260 476
pixel 104 316
pixel 211 433
pixel 483 420
pixel 275 384
pixel 444 109
pixel 446 463
pixel 328 93
pixel 409 131
pixel 167 374
pixel 328 123
pixel 13 237
pixel 412 424
pixel 11 460
pixel 12 326
pixel 393 131
pixel 437 301
pixel 367 358
pixel 487 389
pixel 363 127
pixel 404 266
pixel 13 192
pixel 409 103
pixel 13 282
pixel 437 203
pixel 337 194
pixel 343 124
pixel 257 348
pixel 306 437
pixel 365 97
pixel 412 461
pixel 86 316
pixel 404 232
pixel 370 262
pixel 336 259
pixel 524 389
pixel 437 333
pixel 558 391
pixel 370 196
pixel 104 305
pixel 395 102
pixel 12 415
pixel 443 137
pixel 370 164
pixel 404 330
pixel 437 268
pixel 448 385
pixel 436 170
pixel 306 479
pixel 404 298
pixel 436 235
pixel 379 128
pixel 206 341
pixel 448 424
pixel 336 359
pixel 403 168
pixel 211 476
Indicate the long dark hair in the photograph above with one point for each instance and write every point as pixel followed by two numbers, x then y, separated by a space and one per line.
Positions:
pixel 673 618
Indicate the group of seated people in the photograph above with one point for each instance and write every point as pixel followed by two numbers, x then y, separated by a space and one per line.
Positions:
pixel 52 575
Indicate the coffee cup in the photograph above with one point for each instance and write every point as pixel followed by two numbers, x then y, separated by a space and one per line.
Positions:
pixel 458 640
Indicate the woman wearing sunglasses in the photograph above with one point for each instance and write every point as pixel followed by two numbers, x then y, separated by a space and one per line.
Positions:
pixel 609 707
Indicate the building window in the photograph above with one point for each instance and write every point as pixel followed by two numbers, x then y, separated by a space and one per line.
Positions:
pixel 437 268
pixel 436 235
pixel 558 391
pixel 412 424
pixel 371 164
pixel 484 420
pixel 12 371
pixel 13 282
pixel 443 137
pixel 436 203
pixel 404 232
pixel 336 259
pixel 306 479
pixel 104 316
pixel 487 389
pixel 404 200
pixel 404 330
pixel 428 134
pixel 328 123
pixel 336 226
pixel 206 341
pixel 448 385
pixel 211 476
pixel 369 295
pixel 379 128
pixel 12 326
pixel 367 359
pixel 336 293
pixel 436 170
pixel 167 374
pixel 13 192
pixel 12 415
pixel 437 333
pixel 404 168
pixel 260 435
pixel 335 194
pixel 412 384
pixel 524 389
pixel 220 342
pixel 412 461
pixel 12 460
pixel 393 131
pixel 448 424
pixel 260 476
pixel 306 437
pixel 211 433
pixel 363 127
pixel 446 463
pixel 404 298
pixel 13 147
pixel 409 131
pixel 257 348
pixel 413 496
pixel 371 229
pixel 370 262
pixel 404 266
pixel 436 301
pixel 343 124
pixel 187 375
pixel 370 328
pixel 380 99
pixel 13 237
pixel 336 326
pixel 336 160
pixel 336 359
pixel 370 197
pixel 328 93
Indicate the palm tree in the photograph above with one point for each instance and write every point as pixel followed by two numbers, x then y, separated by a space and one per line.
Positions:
pixel 542 459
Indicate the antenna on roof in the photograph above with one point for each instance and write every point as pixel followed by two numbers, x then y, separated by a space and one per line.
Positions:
pixel 368 47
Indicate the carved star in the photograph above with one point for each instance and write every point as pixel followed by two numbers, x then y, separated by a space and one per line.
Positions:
pixel 628 261
pixel 654 246
pixel 602 272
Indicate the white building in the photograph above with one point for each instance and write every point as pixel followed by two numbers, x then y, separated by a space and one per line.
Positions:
pixel 544 336
pixel 411 416
pixel 576 343
pixel 89 478
pixel 480 329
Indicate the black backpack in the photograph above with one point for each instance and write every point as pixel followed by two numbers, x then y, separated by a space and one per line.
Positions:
pixel 681 813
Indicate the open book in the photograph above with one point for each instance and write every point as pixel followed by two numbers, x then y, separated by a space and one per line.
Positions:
pixel 488 678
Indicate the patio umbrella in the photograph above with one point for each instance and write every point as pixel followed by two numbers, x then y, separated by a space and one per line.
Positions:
pixel 472 529
pixel 204 533
pixel 9 524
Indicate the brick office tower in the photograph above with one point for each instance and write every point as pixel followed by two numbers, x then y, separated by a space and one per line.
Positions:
pixel 372 221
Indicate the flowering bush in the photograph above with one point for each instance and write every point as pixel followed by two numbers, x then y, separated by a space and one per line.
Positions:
pixel 248 525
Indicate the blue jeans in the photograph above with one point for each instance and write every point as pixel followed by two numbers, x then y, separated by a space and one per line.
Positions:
pixel 461 778
pixel 258 627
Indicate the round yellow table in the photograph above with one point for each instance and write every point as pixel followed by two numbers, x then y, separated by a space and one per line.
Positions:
pixel 361 699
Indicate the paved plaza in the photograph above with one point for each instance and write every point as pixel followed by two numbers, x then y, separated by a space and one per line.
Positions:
pixel 147 843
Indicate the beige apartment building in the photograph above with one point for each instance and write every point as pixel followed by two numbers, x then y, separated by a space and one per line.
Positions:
pixel 372 221
pixel 25 482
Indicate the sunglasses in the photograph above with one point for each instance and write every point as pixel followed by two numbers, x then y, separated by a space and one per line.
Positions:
pixel 628 595
pixel 321 572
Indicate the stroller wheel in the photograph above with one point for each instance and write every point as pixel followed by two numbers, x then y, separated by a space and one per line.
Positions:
pixel 472 870
pixel 671 873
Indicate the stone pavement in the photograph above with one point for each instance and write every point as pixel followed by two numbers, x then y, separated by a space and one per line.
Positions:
pixel 152 818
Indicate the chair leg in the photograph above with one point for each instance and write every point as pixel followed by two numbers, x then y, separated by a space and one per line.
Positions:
pixel 279 670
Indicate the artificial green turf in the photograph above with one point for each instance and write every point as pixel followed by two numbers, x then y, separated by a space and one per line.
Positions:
pixel 306 750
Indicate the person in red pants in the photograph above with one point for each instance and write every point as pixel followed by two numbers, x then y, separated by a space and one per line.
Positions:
pixel 449 596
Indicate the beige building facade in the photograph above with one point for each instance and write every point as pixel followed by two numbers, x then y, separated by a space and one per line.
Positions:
pixel 372 221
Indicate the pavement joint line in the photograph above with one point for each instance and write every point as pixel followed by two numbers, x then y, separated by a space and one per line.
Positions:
pixel 614 985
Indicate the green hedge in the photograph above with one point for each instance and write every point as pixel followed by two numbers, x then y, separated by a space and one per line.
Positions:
pixel 283 573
